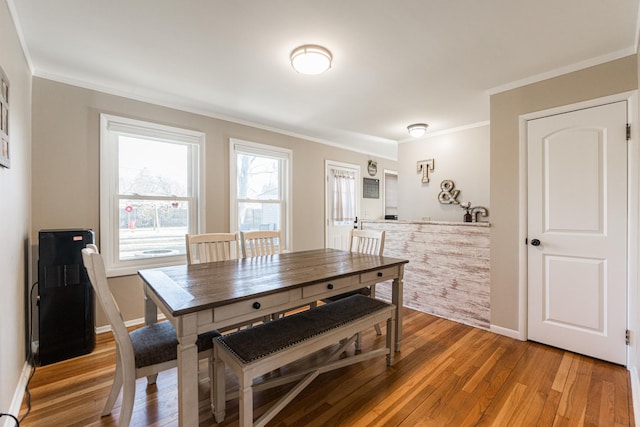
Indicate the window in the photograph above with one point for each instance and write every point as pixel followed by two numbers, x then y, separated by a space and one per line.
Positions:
pixel 150 193
pixel 260 189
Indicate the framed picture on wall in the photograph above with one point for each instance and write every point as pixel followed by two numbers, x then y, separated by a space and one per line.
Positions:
pixel 4 120
pixel 370 188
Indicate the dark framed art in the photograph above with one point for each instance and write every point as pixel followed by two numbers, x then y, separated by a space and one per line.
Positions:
pixel 370 188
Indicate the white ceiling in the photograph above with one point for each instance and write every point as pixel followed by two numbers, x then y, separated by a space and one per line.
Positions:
pixel 396 62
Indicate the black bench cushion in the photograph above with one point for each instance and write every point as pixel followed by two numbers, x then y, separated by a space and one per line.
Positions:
pixel 267 338
pixel 157 343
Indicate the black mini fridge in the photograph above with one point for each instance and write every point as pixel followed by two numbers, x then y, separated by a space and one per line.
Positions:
pixel 66 304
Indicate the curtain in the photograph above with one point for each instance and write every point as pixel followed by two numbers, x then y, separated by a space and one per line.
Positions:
pixel 344 195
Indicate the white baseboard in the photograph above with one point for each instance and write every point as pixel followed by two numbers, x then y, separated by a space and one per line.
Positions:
pixel 128 323
pixel 511 333
pixel 18 396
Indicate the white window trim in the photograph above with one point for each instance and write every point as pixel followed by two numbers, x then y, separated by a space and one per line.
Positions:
pixel 109 236
pixel 286 182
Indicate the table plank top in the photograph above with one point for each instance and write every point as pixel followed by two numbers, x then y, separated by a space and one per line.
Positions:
pixel 189 288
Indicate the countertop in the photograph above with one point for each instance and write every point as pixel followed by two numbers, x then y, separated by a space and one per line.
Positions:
pixel 405 221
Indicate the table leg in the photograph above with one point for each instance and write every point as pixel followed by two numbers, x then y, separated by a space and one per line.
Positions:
pixel 219 397
pixel 187 372
pixel 150 309
pixel 150 316
pixel 397 292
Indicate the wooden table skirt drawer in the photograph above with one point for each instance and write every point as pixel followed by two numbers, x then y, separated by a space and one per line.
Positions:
pixel 379 275
pixel 262 305
pixel 329 286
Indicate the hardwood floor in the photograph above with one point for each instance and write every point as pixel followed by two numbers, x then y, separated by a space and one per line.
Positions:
pixel 447 374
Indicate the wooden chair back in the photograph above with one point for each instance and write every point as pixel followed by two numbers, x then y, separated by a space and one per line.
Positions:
pixel 97 276
pixel 125 356
pixel 211 247
pixel 259 243
pixel 159 338
pixel 367 242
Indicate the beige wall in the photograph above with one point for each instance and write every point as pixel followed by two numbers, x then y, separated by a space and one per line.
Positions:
pixel 506 107
pixel 66 181
pixel 462 157
pixel 15 215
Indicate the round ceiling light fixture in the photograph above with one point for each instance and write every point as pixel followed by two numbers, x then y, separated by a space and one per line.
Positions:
pixel 311 59
pixel 417 130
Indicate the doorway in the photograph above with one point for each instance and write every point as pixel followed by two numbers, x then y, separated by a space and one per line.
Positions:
pixel 390 202
pixel 577 229
pixel 342 201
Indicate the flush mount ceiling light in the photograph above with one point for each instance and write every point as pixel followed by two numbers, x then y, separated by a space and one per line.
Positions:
pixel 311 59
pixel 417 130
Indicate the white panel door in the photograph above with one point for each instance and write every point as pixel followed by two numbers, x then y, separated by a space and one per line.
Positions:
pixel 337 232
pixel 577 231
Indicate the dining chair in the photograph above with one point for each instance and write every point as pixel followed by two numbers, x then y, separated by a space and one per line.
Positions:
pixel 366 242
pixel 211 247
pixel 143 352
pixel 260 242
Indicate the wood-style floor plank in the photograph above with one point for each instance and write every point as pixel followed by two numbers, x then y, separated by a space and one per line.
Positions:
pixel 447 374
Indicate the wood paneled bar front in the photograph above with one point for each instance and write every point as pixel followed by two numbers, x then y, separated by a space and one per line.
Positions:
pixel 448 270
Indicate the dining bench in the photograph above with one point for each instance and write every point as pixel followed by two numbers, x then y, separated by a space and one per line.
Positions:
pixel 253 352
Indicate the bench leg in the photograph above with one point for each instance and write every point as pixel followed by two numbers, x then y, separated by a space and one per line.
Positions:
pixel 218 389
pixel 245 403
pixel 151 379
pixel 378 331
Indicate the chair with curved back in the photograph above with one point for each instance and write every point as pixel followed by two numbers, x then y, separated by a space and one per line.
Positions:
pixel 211 247
pixel 260 243
pixel 143 352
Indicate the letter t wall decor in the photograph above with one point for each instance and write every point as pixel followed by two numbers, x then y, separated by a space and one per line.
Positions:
pixel 425 166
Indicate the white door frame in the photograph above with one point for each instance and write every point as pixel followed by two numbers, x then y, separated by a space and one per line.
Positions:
pixel 384 188
pixel 633 197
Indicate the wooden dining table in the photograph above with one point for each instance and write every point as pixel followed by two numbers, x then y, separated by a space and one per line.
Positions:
pixel 201 297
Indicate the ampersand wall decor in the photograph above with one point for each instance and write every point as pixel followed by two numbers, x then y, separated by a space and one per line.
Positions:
pixel 448 195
